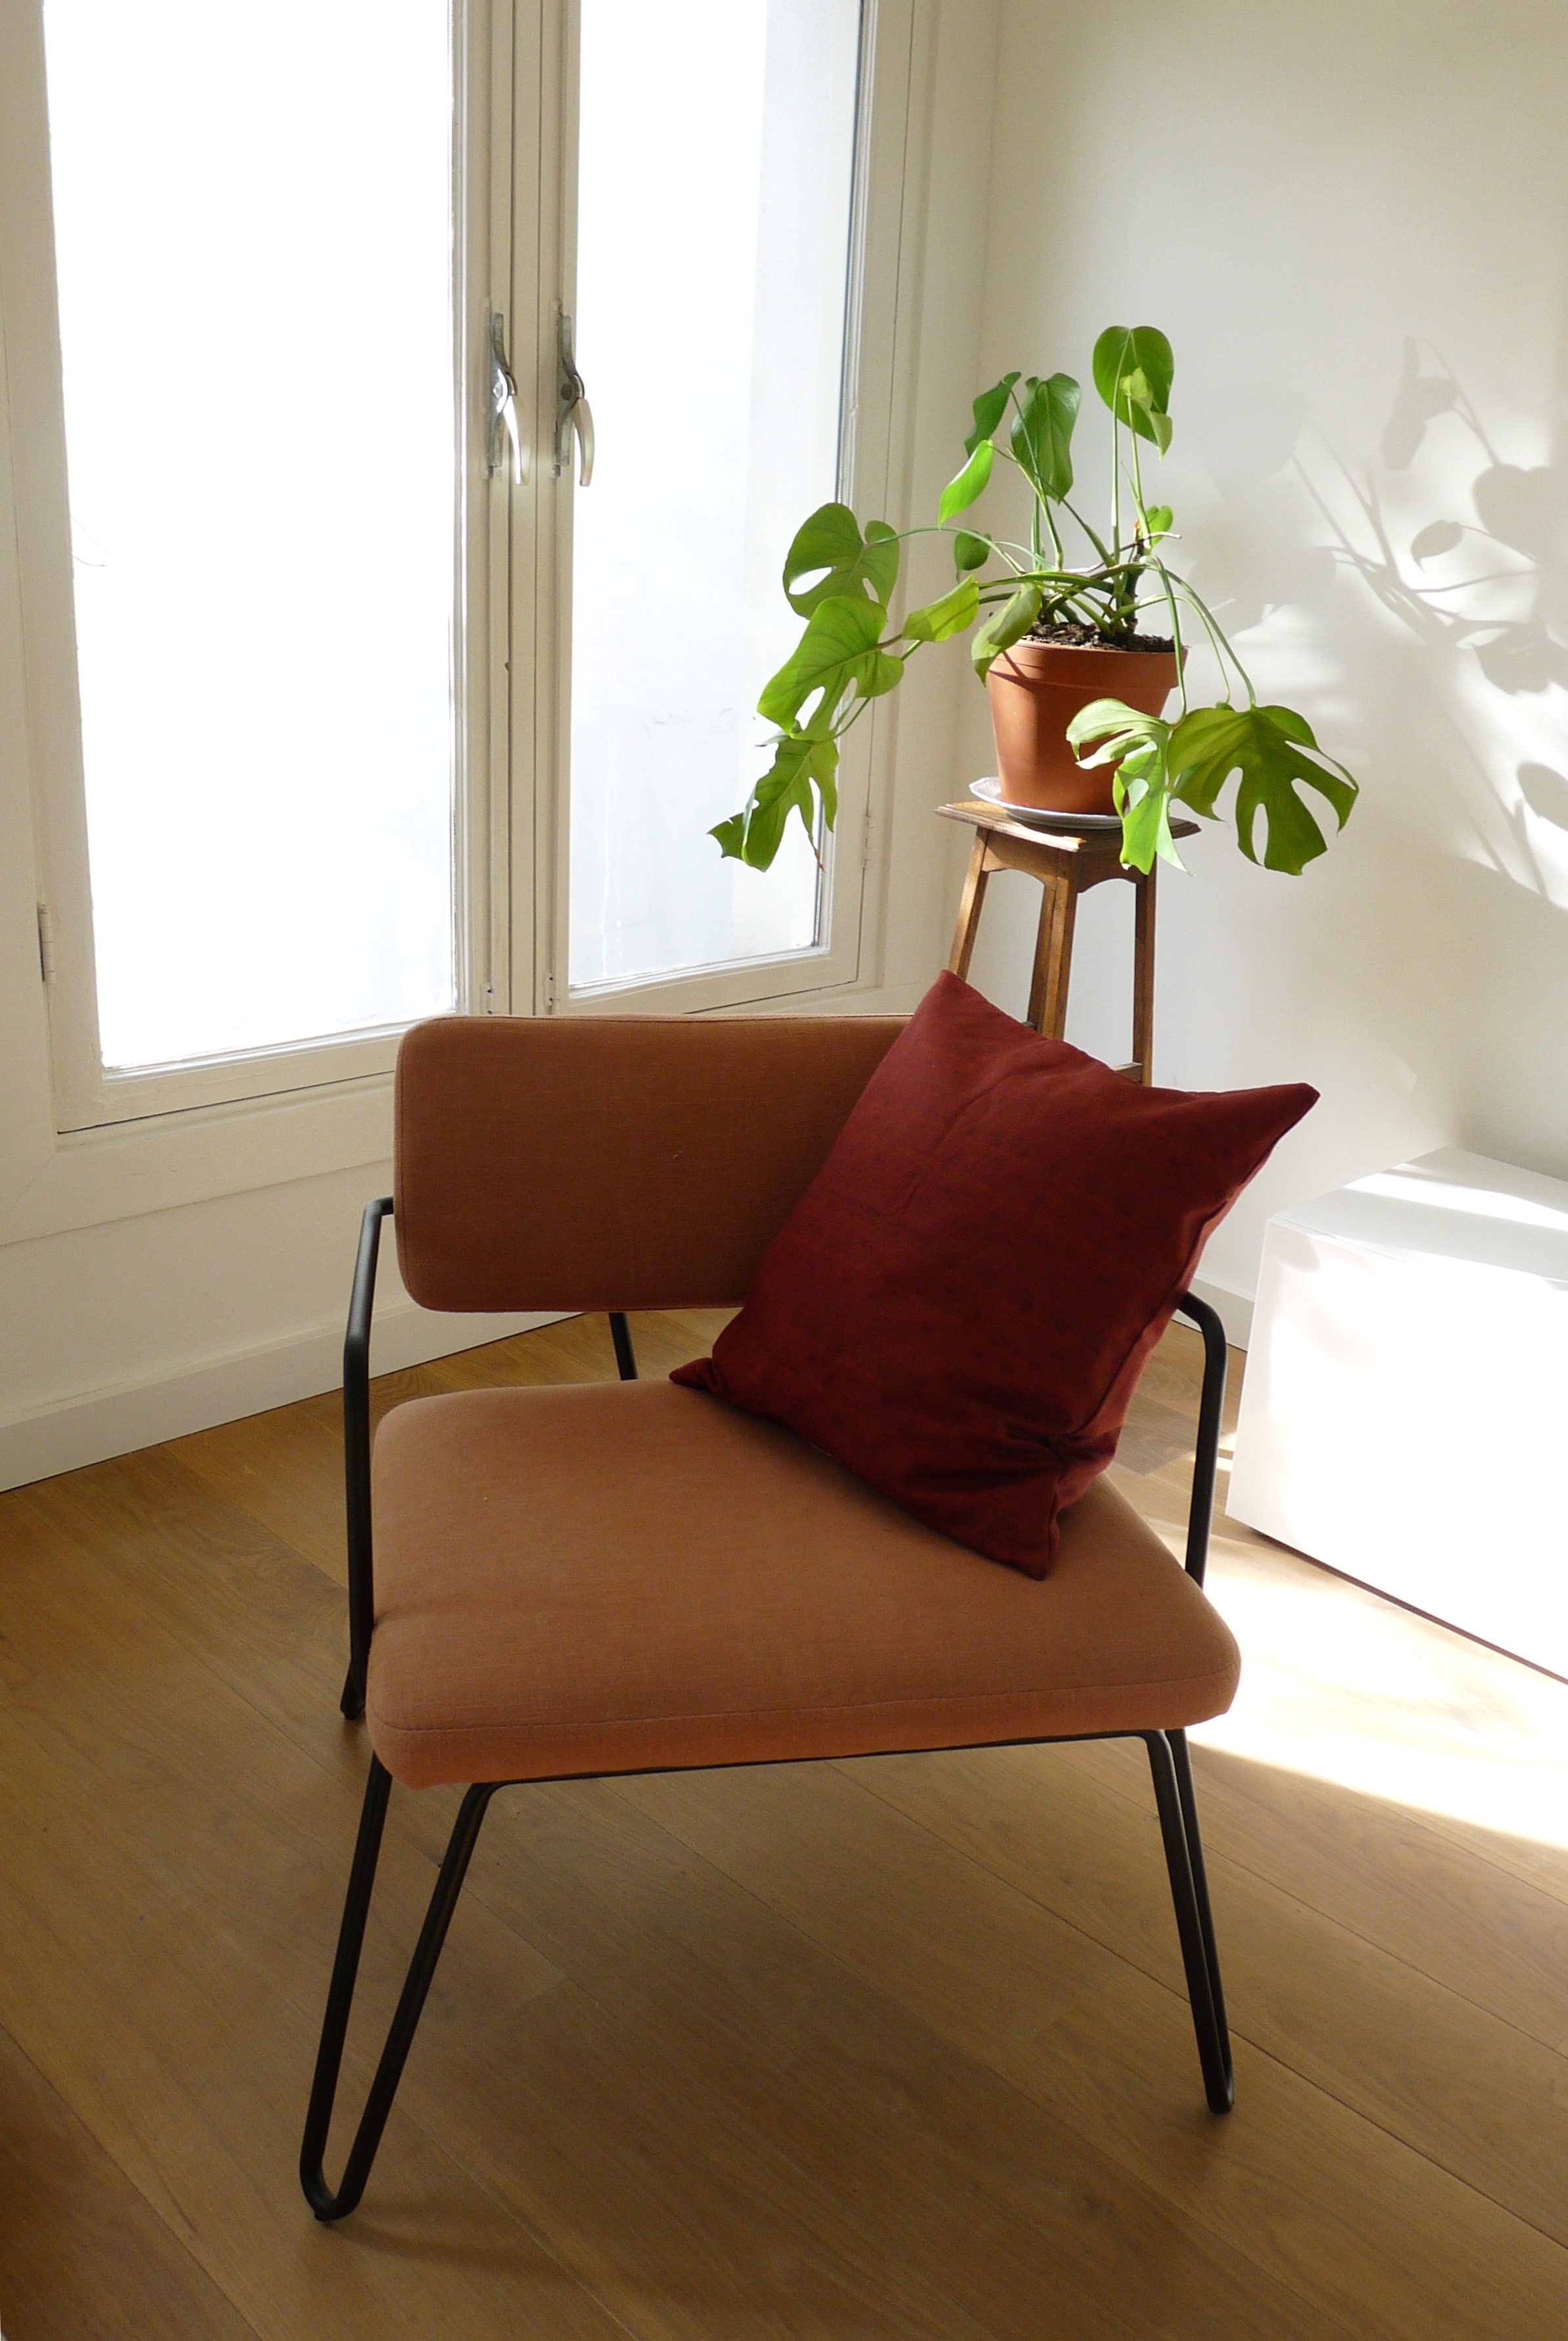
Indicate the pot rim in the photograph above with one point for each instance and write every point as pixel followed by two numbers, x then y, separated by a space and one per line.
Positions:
pixel 1068 655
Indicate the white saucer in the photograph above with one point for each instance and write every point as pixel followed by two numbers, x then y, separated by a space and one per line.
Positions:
pixel 1037 817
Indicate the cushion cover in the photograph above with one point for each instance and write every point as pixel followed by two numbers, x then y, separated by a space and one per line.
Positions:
pixel 960 1305
pixel 622 1576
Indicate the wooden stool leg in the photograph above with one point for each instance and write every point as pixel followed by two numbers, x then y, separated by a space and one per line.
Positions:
pixel 971 903
pixel 1053 957
pixel 1144 978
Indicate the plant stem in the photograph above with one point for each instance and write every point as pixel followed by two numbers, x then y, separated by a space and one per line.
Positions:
pixel 1217 637
pixel 1099 545
pixel 1170 600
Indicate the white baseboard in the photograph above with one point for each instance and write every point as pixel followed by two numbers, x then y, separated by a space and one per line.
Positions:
pixel 1234 1309
pixel 92 1425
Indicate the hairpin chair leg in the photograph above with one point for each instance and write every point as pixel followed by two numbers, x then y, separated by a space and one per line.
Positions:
pixel 625 1355
pixel 324 2202
pixel 353 1702
pixel 1172 1769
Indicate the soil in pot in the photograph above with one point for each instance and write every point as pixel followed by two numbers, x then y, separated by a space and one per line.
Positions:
pixel 1038 687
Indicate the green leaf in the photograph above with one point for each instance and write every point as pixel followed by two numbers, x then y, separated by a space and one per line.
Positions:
pixel 837 651
pixel 1122 728
pixel 989 408
pixel 1043 433
pixel 829 547
pixel 1275 752
pixel 951 615
pixel 1009 625
pixel 1133 370
pixel 1157 518
pixel 1137 746
pixel 970 552
pixel 1142 792
pixel 961 491
pixel 800 759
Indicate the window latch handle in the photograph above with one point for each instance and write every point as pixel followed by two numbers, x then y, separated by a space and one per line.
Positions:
pixel 573 410
pixel 505 432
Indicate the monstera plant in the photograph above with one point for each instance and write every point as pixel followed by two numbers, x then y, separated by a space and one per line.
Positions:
pixel 1035 609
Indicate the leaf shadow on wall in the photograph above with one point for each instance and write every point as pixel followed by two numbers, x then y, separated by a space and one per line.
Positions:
pixel 1436 927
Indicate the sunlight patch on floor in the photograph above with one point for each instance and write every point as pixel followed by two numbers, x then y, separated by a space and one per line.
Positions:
pixel 1341 1685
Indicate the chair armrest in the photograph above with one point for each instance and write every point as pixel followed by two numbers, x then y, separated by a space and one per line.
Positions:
pixel 1211 1407
pixel 357 1452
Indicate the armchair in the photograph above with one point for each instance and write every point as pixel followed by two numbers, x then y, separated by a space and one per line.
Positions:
pixel 628 1577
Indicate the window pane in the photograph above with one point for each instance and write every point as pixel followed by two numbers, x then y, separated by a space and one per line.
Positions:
pixel 253 218
pixel 716 147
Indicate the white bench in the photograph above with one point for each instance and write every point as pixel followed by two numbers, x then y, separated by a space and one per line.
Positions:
pixel 1405 1414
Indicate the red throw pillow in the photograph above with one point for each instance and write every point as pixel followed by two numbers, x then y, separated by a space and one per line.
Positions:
pixel 960 1305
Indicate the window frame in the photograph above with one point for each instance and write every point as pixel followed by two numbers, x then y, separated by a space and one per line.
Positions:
pixel 878 373
pixel 87 1095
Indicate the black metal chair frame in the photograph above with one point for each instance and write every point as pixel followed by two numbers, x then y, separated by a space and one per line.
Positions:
pixel 1170 1765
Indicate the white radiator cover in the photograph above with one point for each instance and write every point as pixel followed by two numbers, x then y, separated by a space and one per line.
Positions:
pixel 1404 1415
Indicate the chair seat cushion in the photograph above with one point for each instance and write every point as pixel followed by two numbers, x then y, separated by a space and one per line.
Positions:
pixel 625 1576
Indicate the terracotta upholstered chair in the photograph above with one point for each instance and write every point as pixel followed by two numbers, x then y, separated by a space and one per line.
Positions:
pixel 630 1577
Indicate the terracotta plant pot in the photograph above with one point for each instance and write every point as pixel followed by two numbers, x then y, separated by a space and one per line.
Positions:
pixel 1036 689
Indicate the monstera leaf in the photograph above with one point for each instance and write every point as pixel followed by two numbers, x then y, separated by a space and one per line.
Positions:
pixel 1010 625
pixel 1275 752
pixel 960 491
pixel 1043 433
pixel 1133 370
pixel 989 408
pixel 837 653
pixel 1138 746
pixel 800 759
pixel 951 615
pixel 846 564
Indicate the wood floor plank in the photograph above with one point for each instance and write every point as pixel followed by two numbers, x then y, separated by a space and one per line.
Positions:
pixel 83 2257
pixel 285 1471
pixel 184 2060
pixel 950 2174
pixel 1491 2103
pixel 1387 2247
pixel 1387 1874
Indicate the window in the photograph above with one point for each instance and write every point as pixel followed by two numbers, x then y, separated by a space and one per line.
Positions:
pixel 716 144
pixel 254 240
pixel 337 719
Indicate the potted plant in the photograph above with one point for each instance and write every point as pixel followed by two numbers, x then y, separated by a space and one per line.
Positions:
pixel 1059 642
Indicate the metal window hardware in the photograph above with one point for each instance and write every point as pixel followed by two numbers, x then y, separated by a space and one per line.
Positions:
pixel 503 424
pixel 45 944
pixel 572 412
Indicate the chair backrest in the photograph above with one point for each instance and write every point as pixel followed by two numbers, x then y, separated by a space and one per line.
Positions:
pixel 624 1163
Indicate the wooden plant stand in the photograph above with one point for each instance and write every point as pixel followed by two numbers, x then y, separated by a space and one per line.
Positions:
pixel 1068 863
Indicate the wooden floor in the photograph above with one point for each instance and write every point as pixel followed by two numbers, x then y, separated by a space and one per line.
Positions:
pixel 861 2052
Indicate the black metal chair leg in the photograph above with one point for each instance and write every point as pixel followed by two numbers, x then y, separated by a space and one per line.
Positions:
pixel 1172 1774
pixel 353 1702
pixel 1182 1757
pixel 322 2200
pixel 625 1355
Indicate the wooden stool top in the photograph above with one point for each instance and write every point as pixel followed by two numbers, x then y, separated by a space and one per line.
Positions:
pixel 1083 844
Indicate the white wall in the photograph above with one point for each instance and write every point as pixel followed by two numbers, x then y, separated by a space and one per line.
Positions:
pixel 1352 220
